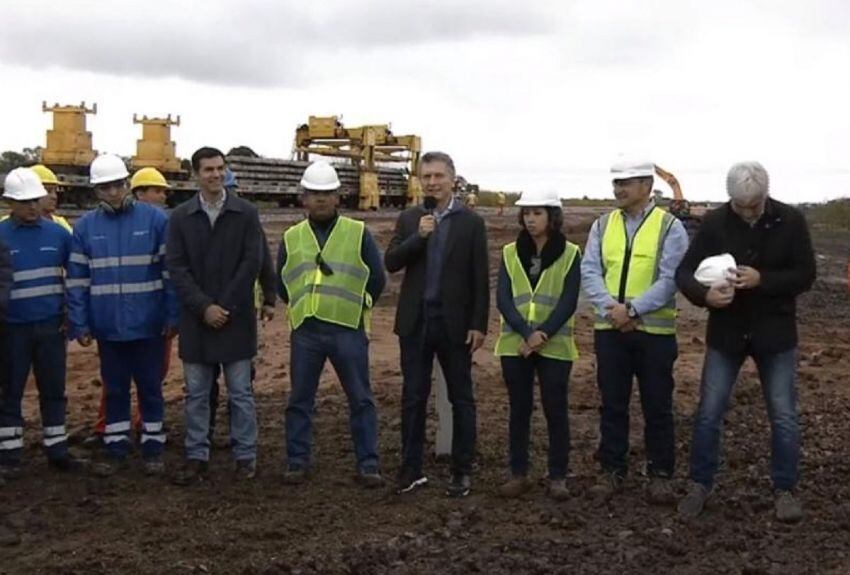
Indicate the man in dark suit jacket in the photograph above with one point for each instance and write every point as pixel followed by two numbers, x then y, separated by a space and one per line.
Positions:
pixel 442 310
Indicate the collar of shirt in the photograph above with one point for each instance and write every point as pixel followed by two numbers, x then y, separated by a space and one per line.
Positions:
pixel 213 206
pixel 642 214
pixel 440 215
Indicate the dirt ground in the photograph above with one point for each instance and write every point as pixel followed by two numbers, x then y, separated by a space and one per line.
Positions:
pixel 131 524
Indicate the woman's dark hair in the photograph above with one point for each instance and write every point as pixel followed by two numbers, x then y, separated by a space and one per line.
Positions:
pixel 554 215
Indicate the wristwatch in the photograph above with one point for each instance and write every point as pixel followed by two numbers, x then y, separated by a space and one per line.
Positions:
pixel 631 311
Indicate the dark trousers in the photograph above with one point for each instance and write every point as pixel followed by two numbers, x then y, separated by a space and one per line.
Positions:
pixel 39 347
pixel 620 357
pixel 553 375
pixel 417 359
pixel 122 362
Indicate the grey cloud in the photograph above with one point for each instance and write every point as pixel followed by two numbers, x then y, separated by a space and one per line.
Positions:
pixel 258 44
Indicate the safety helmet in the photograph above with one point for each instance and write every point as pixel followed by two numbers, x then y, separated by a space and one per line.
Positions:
pixel 230 179
pixel 23 185
pixel 320 176
pixel 627 168
pixel 45 174
pixel 539 199
pixel 715 269
pixel 147 177
pixel 107 168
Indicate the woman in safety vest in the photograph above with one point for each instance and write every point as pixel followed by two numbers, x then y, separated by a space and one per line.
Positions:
pixel 539 280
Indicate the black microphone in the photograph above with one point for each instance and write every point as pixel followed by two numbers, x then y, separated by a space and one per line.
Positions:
pixel 430 204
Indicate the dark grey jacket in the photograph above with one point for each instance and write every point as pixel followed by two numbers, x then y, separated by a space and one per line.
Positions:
pixel 215 265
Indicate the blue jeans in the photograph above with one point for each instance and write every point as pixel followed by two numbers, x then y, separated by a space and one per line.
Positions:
pixel 243 413
pixel 122 362
pixel 777 374
pixel 41 347
pixel 312 344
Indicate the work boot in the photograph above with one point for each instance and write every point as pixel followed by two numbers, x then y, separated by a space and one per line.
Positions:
pixel 370 478
pixel 606 486
pixel 153 466
pixel 692 504
pixel 93 441
pixel 557 489
pixel 409 480
pixel 8 535
pixel 295 475
pixel 246 469
pixel 515 486
pixel 660 491
pixel 788 508
pixel 193 471
pixel 109 467
pixel 459 486
pixel 66 463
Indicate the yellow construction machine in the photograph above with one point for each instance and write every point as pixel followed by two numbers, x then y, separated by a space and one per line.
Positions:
pixel 367 147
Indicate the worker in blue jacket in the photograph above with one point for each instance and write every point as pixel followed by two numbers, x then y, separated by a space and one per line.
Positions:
pixel 119 294
pixel 34 336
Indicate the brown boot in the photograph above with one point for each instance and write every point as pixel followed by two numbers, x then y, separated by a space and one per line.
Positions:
pixel 557 489
pixel 515 487
pixel 606 486
pixel 660 491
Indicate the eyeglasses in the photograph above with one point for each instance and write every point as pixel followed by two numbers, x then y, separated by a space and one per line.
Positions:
pixel 323 265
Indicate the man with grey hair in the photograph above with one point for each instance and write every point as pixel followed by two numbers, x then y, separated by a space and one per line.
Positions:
pixel 751 314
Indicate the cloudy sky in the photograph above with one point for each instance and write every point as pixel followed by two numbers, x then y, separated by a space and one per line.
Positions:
pixel 524 95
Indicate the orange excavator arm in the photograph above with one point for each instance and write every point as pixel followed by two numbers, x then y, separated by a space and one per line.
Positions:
pixel 671 181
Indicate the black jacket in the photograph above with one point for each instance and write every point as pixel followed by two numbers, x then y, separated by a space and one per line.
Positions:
pixel 6 279
pixel 465 280
pixel 215 265
pixel 761 320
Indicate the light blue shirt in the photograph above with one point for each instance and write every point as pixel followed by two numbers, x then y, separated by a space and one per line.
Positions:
pixel 660 292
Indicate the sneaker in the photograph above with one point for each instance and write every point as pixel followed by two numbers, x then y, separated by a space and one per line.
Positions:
pixel 660 491
pixel 193 471
pixel 515 486
pixel 409 480
pixel 370 478
pixel 108 467
pixel 459 486
pixel 607 485
pixel 692 504
pixel 295 475
pixel 10 471
pixel 66 463
pixel 153 466
pixel 557 489
pixel 788 508
pixel 246 469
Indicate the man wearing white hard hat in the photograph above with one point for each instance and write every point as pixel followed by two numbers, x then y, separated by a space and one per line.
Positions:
pixel 34 336
pixel 120 296
pixel 330 274
pixel 628 274
pixel 214 255
pixel 537 293
pixel 767 253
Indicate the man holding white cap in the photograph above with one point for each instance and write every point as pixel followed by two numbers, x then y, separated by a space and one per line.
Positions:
pixel 628 274
pixel 751 313
pixel 34 336
pixel 119 294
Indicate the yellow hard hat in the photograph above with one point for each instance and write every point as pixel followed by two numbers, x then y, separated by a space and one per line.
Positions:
pixel 45 174
pixel 148 177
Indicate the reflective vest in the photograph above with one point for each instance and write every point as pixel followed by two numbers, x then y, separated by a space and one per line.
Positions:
pixel 337 297
pixel 630 269
pixel 536 305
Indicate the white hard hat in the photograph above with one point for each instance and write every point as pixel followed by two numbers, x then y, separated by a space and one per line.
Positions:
pixel 23 185
pixel 539 199
pixel 627 168
pixel 107 168
pixel 320 176
pixel 714 269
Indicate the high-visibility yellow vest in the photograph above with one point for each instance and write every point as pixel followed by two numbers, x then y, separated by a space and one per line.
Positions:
pixel 630 270
pixel 338 297
pixel 536 305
